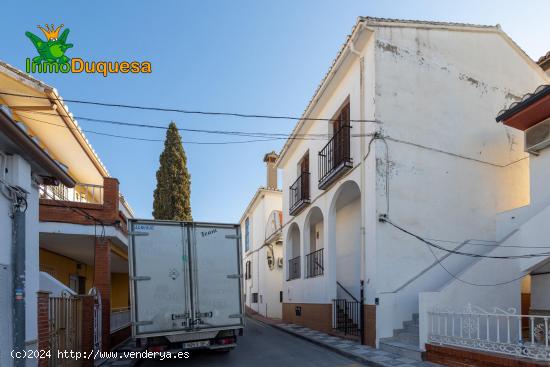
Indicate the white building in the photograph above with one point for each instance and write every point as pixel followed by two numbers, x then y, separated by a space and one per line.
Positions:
pixel 412 141
pixel 23 166
pixel 525 280
pixel 262 246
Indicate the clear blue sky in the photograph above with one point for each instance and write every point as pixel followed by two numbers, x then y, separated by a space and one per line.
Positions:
pixel 246 56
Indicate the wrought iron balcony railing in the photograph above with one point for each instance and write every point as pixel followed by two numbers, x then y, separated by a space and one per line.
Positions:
pixel 294 268
pixel 335 157
pixel 314 264
pixel 299 193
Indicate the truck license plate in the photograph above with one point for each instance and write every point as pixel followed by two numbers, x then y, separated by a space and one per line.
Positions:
pixel 199 344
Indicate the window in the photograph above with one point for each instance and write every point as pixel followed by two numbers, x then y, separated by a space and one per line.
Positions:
pixel 281 296
pixel 246 234
pixel 254 297
pixel 248 270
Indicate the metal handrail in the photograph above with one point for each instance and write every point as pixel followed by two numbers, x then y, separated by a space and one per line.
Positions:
pixel 347 292
pixel 81 192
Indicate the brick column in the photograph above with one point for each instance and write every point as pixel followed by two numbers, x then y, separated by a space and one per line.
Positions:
pixel 43 317
pixel 111 197
pixel 102 276
pixel 87 341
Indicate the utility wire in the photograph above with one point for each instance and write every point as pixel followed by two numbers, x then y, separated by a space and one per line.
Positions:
pixel 148 139
pixel 440 263
pixel 178 110
pixel 385 219
pixel 152 126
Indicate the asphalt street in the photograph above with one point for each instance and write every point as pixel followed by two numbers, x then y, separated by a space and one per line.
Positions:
pixel 263 346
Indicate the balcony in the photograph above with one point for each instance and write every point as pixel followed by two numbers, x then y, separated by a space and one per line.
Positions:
pixel 85 204
pixel 314 264
pixel 335 158
pixel 299 194
pixel 294 268
pixel 81 193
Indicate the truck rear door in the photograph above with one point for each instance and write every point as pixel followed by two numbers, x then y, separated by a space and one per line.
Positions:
pixel 216 275
pixel 159 272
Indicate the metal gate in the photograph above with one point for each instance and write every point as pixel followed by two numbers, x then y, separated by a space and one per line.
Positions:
pixel 65 324
pixel 97 318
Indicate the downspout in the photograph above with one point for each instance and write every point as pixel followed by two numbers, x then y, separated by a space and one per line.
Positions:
pixel 18 198
pixel 362 185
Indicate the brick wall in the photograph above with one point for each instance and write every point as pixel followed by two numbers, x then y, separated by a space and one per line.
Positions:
pixel 87 333
pixel 43 304
pixel 102 281
pixel 64 211
pixel 460 357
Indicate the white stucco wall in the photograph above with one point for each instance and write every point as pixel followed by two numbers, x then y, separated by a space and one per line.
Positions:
pixel 264 281
pixel 22 178
pixel 435 93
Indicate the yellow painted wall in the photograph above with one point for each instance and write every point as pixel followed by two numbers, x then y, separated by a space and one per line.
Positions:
pixel 119 290
pixel 61 268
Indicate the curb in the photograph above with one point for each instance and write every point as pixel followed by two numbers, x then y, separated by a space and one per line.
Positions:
pixel 343 353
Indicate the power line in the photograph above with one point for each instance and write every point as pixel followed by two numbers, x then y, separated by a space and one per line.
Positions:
pixel 440 263
pixel 486 244
pixel 385 219
pixel 148 139
pixel 179 110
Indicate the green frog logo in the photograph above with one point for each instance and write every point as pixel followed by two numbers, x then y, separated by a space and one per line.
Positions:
pixel 53 49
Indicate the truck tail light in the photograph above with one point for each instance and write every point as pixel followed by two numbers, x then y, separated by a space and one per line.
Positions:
pixel 226 341
pixel 157 348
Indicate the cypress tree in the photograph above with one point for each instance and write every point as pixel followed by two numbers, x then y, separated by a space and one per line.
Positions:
pixel 172 197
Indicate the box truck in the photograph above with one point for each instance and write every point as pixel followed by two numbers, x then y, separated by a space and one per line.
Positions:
pixel 185 285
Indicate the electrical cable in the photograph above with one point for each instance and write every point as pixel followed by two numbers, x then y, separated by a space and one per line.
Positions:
pixel 148 139
pixel 440 263
pixel 385 219
pixel 178 110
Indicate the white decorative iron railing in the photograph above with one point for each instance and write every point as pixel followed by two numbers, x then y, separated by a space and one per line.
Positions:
pixel 120 318
pixel 499 331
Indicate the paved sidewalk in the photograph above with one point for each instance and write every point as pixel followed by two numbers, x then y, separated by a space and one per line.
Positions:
pixel 351 349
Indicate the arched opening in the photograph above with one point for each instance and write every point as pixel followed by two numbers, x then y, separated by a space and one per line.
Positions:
pixel 314 243
pixel 346 222
pixel 293 252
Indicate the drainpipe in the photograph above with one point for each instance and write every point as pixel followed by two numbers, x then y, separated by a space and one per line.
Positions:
pixel 18 259
pixel 362 187
pixel 18 196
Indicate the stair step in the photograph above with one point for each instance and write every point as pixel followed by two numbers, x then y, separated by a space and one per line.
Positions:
pixel 407 329
pixel 410 323
pixel 406 338
pixel 400 348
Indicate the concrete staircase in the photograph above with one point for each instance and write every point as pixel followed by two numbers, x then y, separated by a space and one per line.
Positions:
pixel 404 341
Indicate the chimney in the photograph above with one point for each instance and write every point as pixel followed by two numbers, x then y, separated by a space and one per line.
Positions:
pixel 269 160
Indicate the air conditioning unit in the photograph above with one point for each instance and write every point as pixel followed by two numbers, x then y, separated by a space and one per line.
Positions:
pixel 280 262
pixel 537 137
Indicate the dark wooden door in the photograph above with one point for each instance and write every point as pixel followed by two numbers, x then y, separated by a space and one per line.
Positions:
pixel 304 172
pixel 340 131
